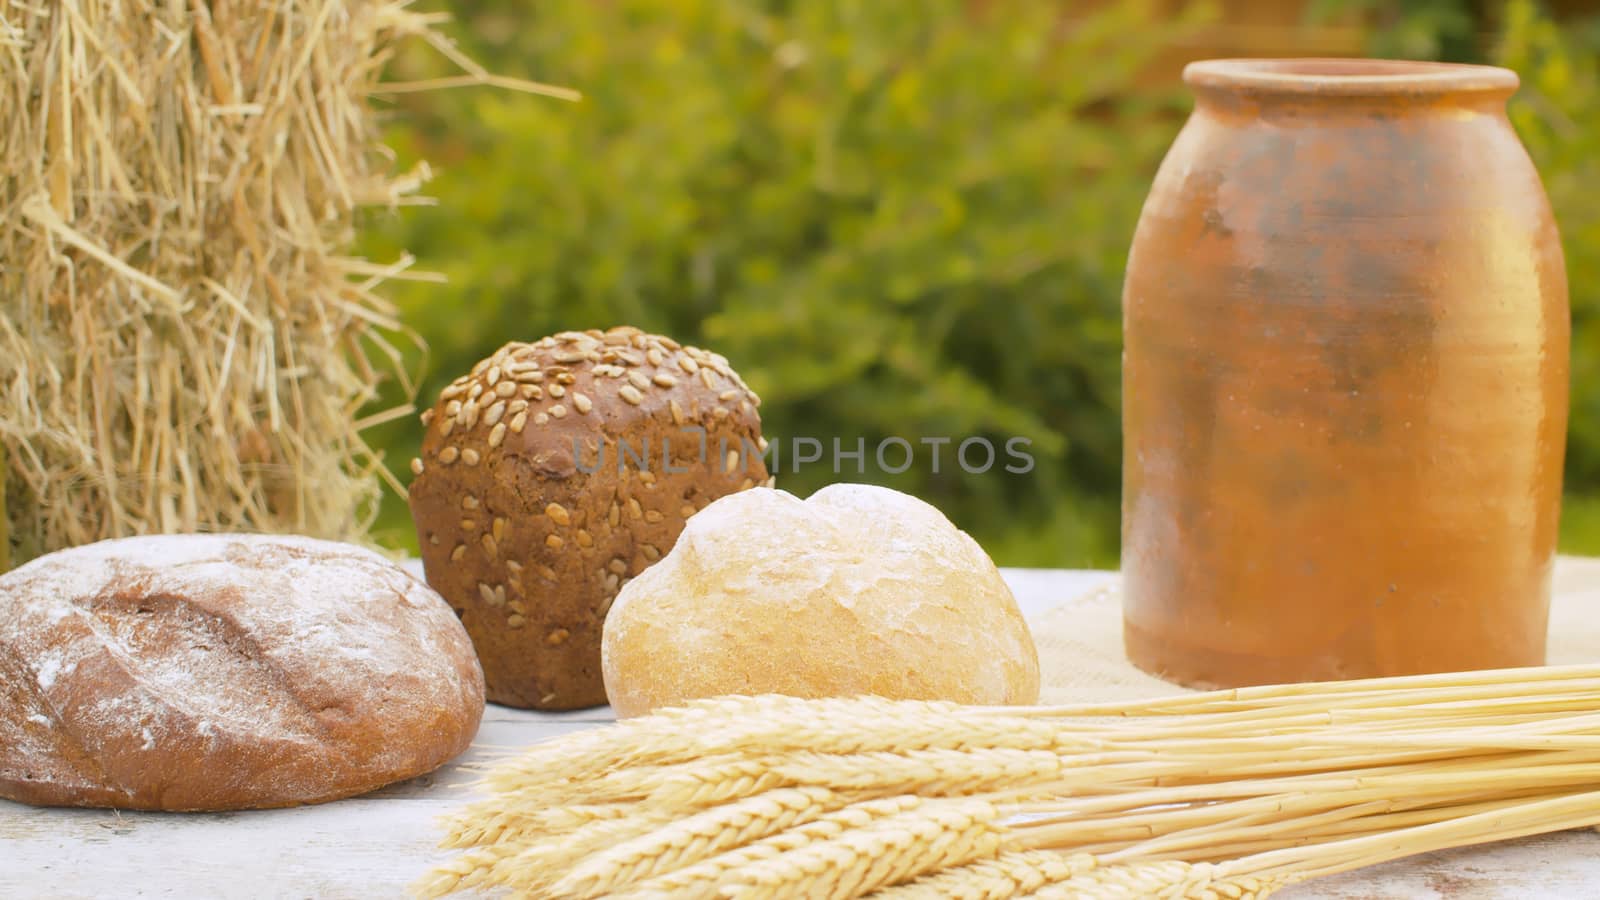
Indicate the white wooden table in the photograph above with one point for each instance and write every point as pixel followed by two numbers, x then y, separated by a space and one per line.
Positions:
pixel 373 846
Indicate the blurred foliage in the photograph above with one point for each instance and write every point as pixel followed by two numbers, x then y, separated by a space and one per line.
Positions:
pixel 1444 30
pixel 1557 112
pixel 894 223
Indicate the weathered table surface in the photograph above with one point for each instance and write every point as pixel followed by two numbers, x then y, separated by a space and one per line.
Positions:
pixel 373 846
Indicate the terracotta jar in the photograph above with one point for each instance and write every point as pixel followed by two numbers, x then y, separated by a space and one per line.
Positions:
pixel 1345 380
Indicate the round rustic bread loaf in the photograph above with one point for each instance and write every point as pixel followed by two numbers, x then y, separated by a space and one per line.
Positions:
pixel 553 473
pixel 857 590
pixel 225 672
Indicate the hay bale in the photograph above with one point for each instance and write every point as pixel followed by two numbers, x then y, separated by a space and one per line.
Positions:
pixel 185 344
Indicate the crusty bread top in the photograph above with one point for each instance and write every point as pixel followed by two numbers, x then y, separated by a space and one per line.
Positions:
pixel 556 470
pixel 225 671
pixel 859 589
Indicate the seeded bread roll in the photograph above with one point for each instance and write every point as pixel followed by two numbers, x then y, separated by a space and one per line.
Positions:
pixel 556 471
pixel 213 672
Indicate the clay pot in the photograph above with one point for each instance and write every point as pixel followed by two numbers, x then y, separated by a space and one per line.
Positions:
pixel 1345 380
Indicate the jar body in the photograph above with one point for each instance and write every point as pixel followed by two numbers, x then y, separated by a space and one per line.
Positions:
pixel 1345 392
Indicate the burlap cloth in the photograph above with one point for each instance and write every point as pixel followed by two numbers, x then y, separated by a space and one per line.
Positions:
pixel 1080 638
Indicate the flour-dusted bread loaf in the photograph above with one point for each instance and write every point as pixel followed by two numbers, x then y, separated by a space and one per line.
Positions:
pixel 857 590
pixel 225 672
pixel 554 472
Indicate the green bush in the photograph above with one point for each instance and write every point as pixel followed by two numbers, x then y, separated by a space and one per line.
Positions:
pixel 895 220
pixel 1557 112
pixel 894 224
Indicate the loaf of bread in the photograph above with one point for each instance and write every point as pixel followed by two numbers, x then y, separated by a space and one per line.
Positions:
pixel 225 672
pixel 556 471
pixel 857 590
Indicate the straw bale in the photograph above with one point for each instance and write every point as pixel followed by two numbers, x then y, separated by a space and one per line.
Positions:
pixel 185 342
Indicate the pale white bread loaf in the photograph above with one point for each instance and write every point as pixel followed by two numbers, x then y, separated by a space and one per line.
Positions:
pixel 857 590
pixel 223 672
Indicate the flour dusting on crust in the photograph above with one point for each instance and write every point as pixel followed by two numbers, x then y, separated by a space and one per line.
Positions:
pixel 225 671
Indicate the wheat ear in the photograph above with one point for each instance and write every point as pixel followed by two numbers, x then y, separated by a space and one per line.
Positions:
pixel 772 724
pixel 929 836
pixel 726 777
pixel 927 772
pixel 1011 873
pixel 1165 878
pixel 534 866
pixel 704 880
pixel 493 822
pixel 704 782
pixel 464 872
pixel 695 838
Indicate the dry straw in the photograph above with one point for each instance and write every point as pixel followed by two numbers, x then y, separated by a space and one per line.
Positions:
pixel 185 344
pixel 1228 794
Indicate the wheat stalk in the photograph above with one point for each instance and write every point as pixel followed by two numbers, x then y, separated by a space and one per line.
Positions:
pixel 1410 691
pixel 1230 794
pixel 1503 822
pixel 776 724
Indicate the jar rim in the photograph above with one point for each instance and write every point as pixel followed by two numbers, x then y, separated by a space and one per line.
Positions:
pixel 1347 77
